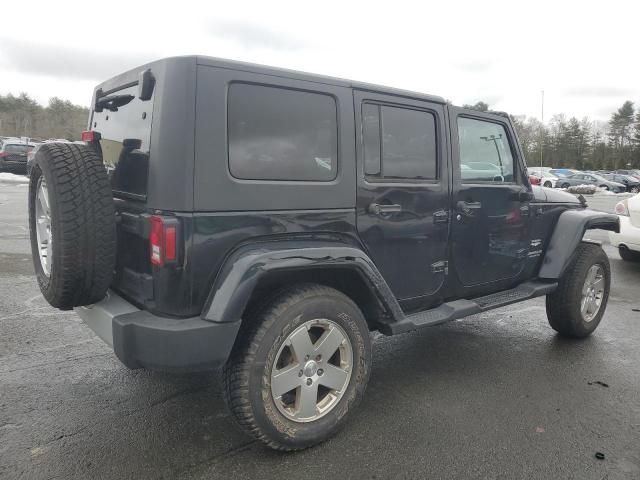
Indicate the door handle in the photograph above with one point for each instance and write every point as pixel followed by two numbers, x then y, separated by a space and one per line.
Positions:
pixel 468 209
pixel 380 208
pixel 440 216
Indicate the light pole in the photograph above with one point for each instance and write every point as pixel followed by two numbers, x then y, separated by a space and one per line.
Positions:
pixel 494 139
pixel 542 130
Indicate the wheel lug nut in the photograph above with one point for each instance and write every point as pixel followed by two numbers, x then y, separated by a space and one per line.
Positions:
pixel 300 373
pixel 309 381
pixel 320 372
pixel 306 357
pixel 318 358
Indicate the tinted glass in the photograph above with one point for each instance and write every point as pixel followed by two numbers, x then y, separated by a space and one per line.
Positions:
pixel 485 154
pixel 281 134
pixel 125 141
pixel 408 143
pixel 371 138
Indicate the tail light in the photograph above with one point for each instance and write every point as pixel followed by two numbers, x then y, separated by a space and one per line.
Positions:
pixel 3 154
pixel 90 136
pixel 163 236
pixel 622 208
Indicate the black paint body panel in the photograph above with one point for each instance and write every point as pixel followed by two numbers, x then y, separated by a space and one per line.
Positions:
pixel 412 259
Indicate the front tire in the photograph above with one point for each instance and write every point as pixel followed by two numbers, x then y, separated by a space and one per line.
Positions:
pixel 576 307
pixel 300 367
pixel 547 184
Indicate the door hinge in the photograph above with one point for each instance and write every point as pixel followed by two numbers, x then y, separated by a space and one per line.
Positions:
pixel 440 267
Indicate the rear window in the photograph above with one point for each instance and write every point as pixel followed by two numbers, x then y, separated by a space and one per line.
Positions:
pixel 125 137
pixel 399 142
pixel 281 134
pixel 12 148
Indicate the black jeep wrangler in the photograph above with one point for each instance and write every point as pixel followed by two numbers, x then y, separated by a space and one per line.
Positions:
pixel 266 221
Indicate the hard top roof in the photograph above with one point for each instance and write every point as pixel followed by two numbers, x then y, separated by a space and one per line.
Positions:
pixel 132 76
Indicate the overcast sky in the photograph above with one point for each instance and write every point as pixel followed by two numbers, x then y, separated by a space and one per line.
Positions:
pixel 583 54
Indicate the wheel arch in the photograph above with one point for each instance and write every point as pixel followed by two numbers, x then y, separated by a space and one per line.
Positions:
pixel 567 235
pixel 254 272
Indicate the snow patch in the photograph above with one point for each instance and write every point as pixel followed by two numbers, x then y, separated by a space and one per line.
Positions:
pixel 7 177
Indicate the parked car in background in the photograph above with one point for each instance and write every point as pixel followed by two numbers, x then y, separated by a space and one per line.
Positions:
pixel 13 156
pixel 563 172
pixel 634 173
pixel 592 179
pixel 632 183
pixel 628 240
pixel 546 179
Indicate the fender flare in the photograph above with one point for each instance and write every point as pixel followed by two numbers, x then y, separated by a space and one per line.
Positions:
pixel 567 235
pixel 246 266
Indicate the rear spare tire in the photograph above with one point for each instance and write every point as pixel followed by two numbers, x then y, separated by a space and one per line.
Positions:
pixel 72 225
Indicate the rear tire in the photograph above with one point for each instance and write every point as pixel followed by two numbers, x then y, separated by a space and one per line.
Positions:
pixel 274 411
pixel 576 307
pixel 565 185
pixel 547 184
pixel 72 225
pixel 634 189
pixel 628 255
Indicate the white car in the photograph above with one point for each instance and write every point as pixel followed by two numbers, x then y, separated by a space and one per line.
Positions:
pixel 546 179
pixel 628 240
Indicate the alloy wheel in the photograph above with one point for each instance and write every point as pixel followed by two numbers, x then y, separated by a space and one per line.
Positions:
pixel 311 371
pixel 592 293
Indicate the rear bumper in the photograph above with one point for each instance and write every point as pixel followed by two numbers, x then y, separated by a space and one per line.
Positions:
pixel 141 339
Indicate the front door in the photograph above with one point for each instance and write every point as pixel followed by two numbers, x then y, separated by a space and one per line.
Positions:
pixel 402 198
pixel 490 202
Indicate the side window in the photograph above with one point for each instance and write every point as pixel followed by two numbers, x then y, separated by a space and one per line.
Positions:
pixel 399 142
pixel 485 154
pixel 281 134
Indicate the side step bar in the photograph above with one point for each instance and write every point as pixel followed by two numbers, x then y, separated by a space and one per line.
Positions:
pixel 463 308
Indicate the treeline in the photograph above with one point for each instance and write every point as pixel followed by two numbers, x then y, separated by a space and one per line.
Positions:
pixel 22 116
pixel 582 144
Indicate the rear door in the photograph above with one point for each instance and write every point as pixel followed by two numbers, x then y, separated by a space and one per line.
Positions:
pixel 403 190
pixel 490 204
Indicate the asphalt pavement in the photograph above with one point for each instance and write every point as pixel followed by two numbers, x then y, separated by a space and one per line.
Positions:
pixel 496 395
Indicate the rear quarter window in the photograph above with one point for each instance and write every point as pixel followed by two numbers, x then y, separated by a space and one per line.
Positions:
pixel 277 133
